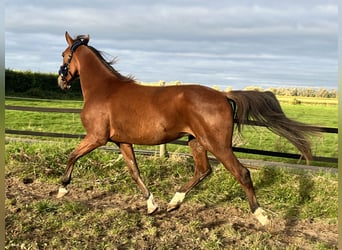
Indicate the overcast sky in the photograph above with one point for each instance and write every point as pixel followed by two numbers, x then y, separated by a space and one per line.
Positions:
pixel 226 43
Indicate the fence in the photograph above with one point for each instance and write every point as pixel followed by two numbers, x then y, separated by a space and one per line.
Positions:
pixel 163 147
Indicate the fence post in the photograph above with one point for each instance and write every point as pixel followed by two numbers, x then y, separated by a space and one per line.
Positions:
pixel 163 151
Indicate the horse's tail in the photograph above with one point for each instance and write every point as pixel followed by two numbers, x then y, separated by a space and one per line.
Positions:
pixel 264 109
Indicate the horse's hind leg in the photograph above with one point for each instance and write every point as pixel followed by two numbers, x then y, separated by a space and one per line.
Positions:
pixel 202 169
pixel 242 175
pixel 87 145
pixel 128 154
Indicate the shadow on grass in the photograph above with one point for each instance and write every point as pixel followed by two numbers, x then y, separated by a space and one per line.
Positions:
pixel 303 185
pixel 306 185
pixel 267 178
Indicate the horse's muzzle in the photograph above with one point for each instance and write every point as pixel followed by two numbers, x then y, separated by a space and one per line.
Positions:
pixel 62 83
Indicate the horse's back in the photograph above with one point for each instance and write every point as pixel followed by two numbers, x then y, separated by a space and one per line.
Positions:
pixel 142 97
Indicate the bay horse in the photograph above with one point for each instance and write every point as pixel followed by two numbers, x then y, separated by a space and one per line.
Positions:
pixel 118 109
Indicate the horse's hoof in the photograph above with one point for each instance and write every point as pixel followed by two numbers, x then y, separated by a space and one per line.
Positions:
pixel 62 191
pixel 151 205
pixel 173 207
pixel 151 211
pixel 262 217
pixel 176 201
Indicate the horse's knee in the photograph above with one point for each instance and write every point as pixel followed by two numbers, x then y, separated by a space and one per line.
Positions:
pixel 245 176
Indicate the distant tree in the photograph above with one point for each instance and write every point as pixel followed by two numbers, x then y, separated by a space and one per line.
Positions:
pixel 229 88
pixel 273 90
pixel 333 93
pixel 216 87
pixel 322 93
pixel 254 88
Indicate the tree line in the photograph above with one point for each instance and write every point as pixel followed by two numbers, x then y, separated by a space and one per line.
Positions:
pixel 303 92
pixel 42 85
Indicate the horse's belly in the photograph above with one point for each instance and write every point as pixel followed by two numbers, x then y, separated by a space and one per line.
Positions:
pixel 148 135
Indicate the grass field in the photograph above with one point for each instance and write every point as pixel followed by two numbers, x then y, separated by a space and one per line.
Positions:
pixel 308 100
pixel 105 209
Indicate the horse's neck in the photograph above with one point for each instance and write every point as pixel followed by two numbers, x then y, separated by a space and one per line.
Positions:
pixel 94 75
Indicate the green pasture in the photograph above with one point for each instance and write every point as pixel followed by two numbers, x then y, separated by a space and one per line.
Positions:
pixel 252 137
pixel 88 219
pixel 215 215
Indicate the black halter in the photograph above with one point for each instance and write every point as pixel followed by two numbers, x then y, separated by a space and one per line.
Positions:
pixel 64 69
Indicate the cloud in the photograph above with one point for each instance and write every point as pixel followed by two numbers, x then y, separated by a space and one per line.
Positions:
pixel 234 43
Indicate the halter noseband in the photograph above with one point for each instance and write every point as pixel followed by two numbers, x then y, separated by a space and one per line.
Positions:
pixel 64 69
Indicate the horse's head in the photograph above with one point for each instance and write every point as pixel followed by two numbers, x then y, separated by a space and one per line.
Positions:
pixel 69 69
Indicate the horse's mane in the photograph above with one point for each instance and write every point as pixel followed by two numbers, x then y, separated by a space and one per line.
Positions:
pixel 109 64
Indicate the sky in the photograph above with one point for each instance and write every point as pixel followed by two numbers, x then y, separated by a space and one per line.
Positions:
pixel 224 43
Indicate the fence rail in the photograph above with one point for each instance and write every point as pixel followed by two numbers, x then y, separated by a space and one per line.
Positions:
pixel 178 142
pixel 43 109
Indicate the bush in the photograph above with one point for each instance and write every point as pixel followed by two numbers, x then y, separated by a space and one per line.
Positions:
pixel 303 92
pixel 296 101
pixel 38 85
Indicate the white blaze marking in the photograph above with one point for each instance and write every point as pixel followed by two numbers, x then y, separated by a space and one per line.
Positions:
pixel 260 214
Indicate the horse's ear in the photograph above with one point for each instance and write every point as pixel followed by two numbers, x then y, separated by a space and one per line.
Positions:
pixel 86 39
pixel 68 38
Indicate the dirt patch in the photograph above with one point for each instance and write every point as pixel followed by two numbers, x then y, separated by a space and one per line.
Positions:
pixel 194 224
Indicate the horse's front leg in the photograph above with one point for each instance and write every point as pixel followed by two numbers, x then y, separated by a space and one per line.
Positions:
pixel 128 154
pixel 87 145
